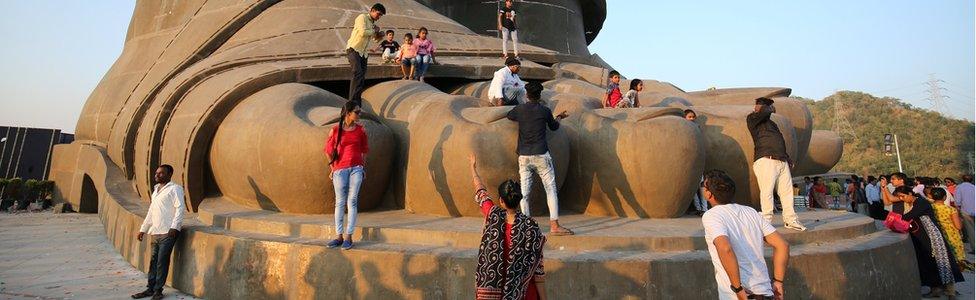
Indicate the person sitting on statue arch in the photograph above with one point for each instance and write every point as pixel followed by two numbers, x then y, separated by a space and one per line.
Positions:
pixel 506 87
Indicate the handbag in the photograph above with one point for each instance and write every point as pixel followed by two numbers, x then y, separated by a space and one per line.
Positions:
pixel 896 223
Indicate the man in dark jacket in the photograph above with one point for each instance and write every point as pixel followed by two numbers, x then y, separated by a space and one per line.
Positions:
pixel 772 163
pixel 535 120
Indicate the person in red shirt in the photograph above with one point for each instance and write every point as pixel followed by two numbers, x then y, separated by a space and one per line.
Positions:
pixel 819 193
pixel 346 149
pixel 516 272
pixel 613 94
pixel 950 185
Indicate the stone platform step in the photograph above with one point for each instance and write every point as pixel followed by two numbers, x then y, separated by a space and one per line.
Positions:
pixel 592 233
pixel 232 253
pixel 248 263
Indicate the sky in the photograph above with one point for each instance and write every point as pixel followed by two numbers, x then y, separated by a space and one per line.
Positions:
pixel 886 48
pixel 54 52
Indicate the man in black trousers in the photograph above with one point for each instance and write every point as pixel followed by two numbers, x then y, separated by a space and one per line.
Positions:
pixel 357 48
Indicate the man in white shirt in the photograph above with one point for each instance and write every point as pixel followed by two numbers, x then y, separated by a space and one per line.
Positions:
pixel 735 235
pixel 163 223
pixel 506 87
pixel 872 192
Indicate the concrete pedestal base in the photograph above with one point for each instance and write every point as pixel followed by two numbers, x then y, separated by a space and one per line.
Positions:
pixel 230 252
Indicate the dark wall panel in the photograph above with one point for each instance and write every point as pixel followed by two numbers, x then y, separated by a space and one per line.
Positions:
pixel 26 152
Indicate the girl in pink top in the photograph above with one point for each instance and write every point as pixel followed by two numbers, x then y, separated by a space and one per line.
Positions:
pixel 425 53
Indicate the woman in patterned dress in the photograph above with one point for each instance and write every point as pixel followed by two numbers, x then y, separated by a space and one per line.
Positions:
pixel 948 218
pixel 937 268
pixel 510 255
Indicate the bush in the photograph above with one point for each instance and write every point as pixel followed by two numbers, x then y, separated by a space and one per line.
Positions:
pixel 45 188
pixel 13 188
pixel 29 192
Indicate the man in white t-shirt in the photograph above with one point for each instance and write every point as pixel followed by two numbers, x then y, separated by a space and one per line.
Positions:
pixel 735 235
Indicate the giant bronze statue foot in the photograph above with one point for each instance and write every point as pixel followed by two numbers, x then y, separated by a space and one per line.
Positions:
pixel 643 163
pixel 268 152
pixel 436 133
pixel 722 114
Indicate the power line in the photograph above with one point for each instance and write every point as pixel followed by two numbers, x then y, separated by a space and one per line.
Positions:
pixel 956 86
pixel 958 93
pixel 898 88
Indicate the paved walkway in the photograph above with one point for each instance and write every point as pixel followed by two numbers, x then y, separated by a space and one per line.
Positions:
pixel 64 256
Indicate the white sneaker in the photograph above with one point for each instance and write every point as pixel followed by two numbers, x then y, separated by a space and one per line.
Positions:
pixel 795 226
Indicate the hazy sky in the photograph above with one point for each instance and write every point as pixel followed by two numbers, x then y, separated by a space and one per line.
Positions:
pixel 55 52
pixel 887 48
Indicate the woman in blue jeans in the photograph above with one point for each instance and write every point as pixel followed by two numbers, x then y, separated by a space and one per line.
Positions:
pixel 346 148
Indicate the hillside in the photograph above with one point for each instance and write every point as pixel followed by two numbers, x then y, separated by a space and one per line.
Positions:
pixel 931 145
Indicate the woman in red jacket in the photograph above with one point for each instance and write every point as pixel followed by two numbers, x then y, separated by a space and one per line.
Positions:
pixel 346 148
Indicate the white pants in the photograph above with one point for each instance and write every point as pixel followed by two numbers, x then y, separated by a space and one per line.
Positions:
pixel 505 35
pixel 387 55
pixel 542 165
pixel 775 175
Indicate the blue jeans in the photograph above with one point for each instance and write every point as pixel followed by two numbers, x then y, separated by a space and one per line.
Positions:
pixel 346 183
pixel 162 248
pixel 422 61
pixel 542 165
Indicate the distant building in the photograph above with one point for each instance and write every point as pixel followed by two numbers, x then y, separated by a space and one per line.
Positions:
pixel 26 152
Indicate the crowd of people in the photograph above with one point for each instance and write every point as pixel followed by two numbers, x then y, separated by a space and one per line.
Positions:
pixel 933 223
pixel 510 256
pixel 936 212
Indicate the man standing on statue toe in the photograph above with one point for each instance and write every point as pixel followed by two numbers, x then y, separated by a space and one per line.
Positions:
pixel 772 164
pixel 533 150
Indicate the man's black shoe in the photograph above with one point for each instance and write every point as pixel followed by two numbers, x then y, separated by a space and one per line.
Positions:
pixel 142 294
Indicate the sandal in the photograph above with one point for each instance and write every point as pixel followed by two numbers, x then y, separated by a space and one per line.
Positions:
pixel 558 231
